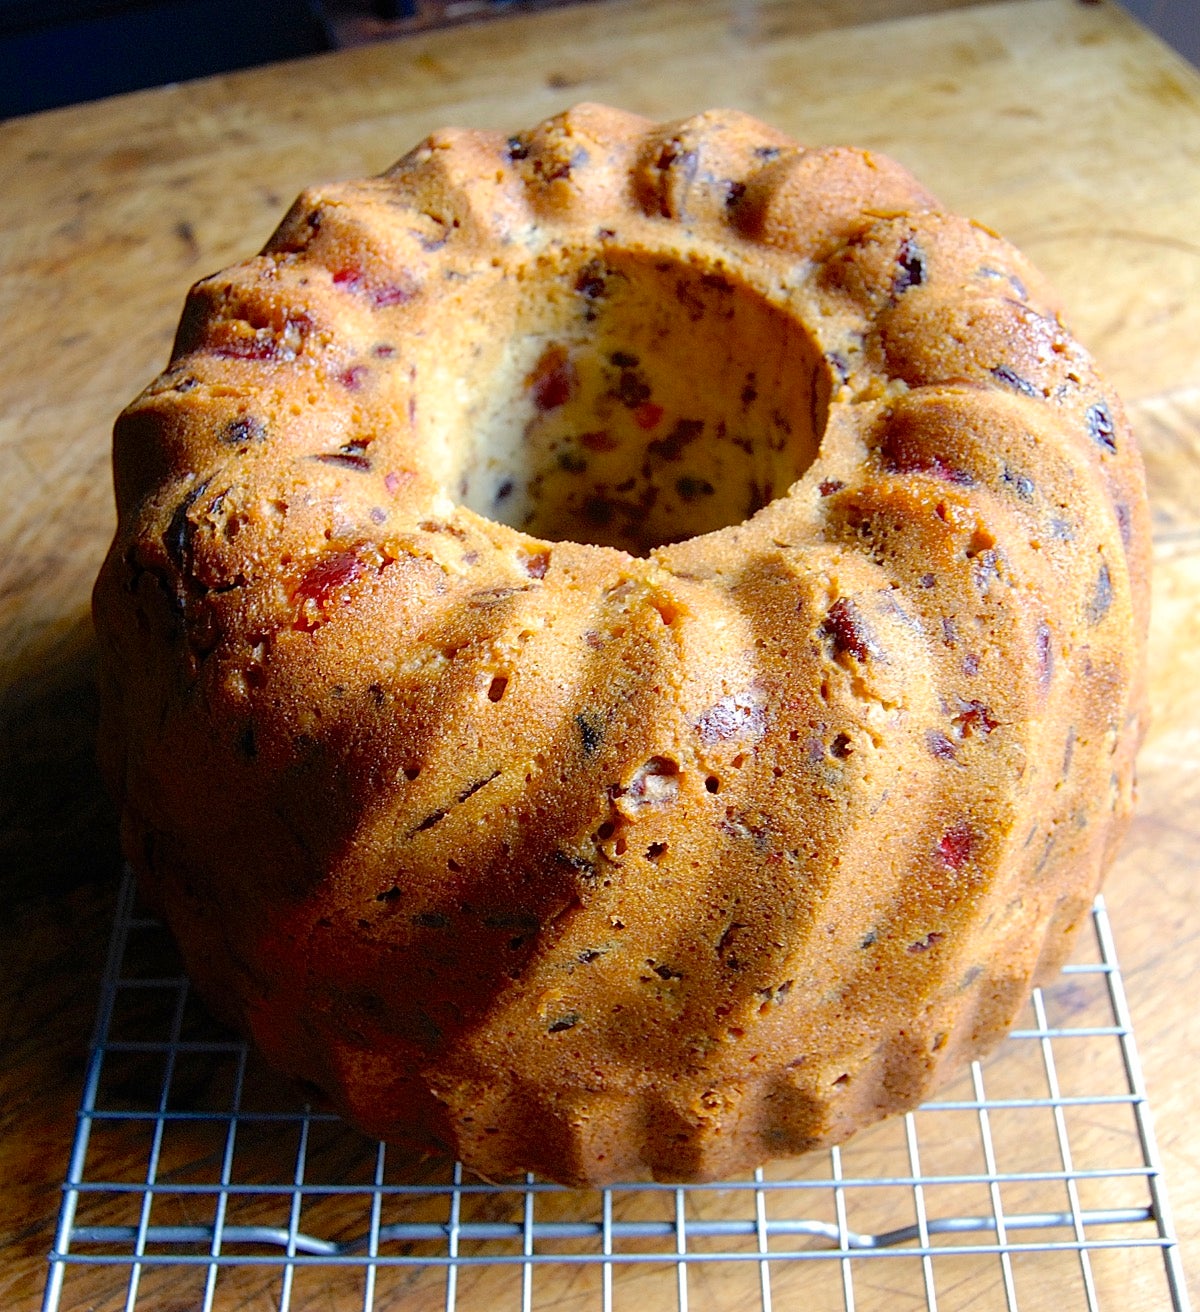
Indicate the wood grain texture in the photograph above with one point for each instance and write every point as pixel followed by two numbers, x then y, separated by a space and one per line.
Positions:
pixel 1063 125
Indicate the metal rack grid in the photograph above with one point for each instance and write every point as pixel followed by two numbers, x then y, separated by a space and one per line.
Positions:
pixel 197 1180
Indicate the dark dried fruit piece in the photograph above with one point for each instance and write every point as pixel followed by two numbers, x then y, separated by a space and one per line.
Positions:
pixel 599 511
pixel 1021 484
pixel 592 280
pixel 690 488
pixel 1011 378
pixel 471 789
pixel 561 168
pixel 431 920
pixel 591 733
pixel 632 389
pixel 913 271
pixel 683 434
pixel 177 538
pixel 344 459
pixel 741 716
pixel 552 382
pixel 682 163
pixel 848 633
pixel 581 865
pixel 839 364
pixel 1101 428
pixel 244 430
pixel 1013 281
pixel 1102 597
pixel 1044 653
pixel 1124 523
pixel 428 823
pixel 940 746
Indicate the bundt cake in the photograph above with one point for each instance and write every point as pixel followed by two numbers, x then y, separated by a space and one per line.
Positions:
pixel 622 652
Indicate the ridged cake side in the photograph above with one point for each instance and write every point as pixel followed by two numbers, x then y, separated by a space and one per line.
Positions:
pixel 624 856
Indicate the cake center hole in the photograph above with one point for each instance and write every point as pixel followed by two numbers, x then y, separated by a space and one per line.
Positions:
pixel 640 402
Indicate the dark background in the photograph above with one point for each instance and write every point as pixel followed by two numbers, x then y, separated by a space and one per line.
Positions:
pixel 57 52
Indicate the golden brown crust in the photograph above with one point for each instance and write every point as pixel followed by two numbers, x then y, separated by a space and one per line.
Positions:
pixel 640 857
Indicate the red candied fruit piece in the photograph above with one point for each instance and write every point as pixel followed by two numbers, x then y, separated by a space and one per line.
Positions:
pixel 553 379
pixel 849 632
pixel 324 584
pixel 247 348
pixel 395 479
pixel 901 455
pixel 536 565
pixel 956 845
pixel 393 293
pixel 647 415
pixel 974 717
pixel 381 294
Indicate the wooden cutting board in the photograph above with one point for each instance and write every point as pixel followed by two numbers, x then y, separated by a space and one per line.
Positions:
pixel 1061 124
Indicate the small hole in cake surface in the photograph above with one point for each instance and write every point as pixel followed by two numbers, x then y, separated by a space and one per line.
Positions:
pixel 626 401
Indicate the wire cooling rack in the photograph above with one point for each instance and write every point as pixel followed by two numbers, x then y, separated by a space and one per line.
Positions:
pixel 197 1180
